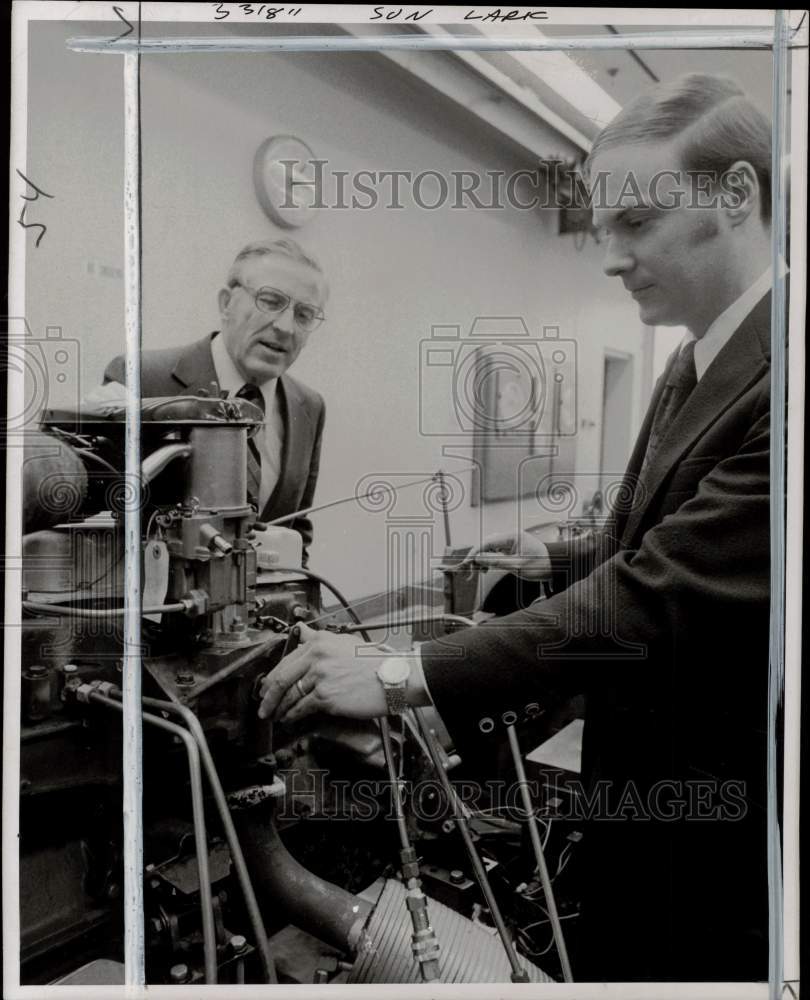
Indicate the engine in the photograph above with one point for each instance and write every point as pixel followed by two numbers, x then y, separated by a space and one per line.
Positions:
pixel 271 853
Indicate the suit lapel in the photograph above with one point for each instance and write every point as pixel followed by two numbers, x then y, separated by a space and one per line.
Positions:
pixel 738 365
pixel 624 506
pixel 195 368
pixel 295 451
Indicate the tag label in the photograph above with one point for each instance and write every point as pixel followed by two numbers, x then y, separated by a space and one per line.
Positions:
pixel 155 576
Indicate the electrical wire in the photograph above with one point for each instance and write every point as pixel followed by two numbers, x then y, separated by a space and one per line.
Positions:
pixel 527 943
pixel 331 588
pixel 538 923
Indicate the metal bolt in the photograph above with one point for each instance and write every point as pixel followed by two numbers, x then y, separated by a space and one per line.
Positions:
pixel 37 670
pixel 184 679
pixel 70 668
pixel 178 973
pixel 238 943
pixel 456 876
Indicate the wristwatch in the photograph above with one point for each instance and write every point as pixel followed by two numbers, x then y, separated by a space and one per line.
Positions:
pixel 393 674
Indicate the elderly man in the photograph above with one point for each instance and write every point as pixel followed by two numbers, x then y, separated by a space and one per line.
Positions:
pixel 662 619
pixel 272 301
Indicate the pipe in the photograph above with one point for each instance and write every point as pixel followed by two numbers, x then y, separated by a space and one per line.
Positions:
pixel 238 858
pixel 518 973
pixel 311 903
pixel 155 463
pixel 551 903
pixel 424 946
pixel 385 733
pixel 406 622
pixel 200 837
pixel 66 610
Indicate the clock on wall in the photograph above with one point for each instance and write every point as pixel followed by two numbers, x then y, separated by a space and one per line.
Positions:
pixel 284 177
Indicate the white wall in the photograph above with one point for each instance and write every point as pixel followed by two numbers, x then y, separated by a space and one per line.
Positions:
pixel 393 274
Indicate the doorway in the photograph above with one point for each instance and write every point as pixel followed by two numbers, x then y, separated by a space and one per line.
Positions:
pixel 617 414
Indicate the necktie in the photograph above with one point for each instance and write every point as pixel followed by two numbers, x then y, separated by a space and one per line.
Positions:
pixel 253 394
pixel 681 380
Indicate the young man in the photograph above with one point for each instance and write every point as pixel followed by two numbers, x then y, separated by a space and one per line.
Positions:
pixel 662 619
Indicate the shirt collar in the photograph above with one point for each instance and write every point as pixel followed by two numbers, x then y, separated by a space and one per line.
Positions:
pixel 726 324
pixel 229 377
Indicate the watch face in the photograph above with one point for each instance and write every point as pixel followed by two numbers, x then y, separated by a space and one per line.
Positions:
pixel 395 671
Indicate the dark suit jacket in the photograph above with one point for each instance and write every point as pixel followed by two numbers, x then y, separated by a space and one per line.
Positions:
pixel 184 371
pixel 662 622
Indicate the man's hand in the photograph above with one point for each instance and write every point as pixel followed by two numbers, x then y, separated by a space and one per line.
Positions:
pixel 326 673
pixel 523 554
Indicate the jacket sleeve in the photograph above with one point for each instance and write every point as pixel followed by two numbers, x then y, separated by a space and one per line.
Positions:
pixel 574 559
pixel 303 525
pixel 700 575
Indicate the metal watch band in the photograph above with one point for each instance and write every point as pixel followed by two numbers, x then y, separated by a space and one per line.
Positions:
pixel 395 699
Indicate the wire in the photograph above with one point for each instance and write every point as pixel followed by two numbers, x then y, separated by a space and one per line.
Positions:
pixel 375 491
pixel 537 923
pixel 523 937
pixel 532 952
pixel 331 588
pixel 564 858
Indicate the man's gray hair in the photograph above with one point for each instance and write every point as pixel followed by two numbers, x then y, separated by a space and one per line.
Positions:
pixel 263 248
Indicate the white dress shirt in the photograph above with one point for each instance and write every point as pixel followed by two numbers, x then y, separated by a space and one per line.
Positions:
pixel 722 329
pixel 270 436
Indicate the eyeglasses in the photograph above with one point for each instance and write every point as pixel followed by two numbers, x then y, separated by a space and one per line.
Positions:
pixel 270 300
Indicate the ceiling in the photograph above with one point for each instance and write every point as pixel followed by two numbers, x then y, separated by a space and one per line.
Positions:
pixel 622 73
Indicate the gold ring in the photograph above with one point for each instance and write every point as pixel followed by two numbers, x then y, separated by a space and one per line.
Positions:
pixel 300 687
